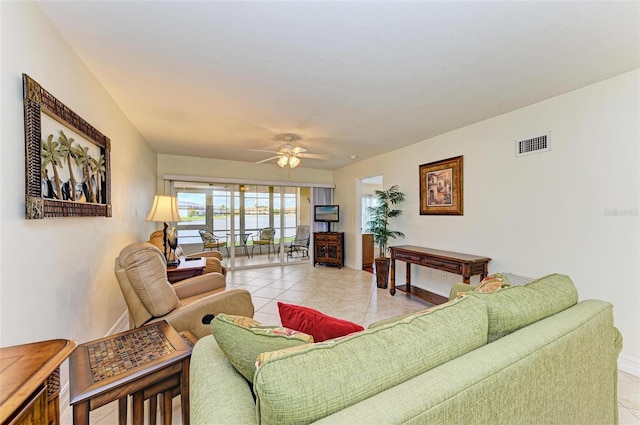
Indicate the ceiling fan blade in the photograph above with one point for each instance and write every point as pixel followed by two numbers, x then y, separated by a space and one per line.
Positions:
pixel 265 160
pixel 313 156
pixel 261 150
pixel 299 149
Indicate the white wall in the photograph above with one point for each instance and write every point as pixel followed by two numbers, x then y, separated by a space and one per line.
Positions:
pixel 56 275
pixel 572 210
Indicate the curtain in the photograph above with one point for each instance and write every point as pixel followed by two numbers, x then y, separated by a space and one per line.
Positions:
pixel 320 196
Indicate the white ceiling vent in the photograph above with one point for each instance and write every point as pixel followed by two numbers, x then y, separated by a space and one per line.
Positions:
pixel 536 144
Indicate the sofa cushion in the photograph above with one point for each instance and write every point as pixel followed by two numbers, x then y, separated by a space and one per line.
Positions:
pixel 146 271
pixel 518 306
pixel 315 323
pixel 319 379
pixel 241 339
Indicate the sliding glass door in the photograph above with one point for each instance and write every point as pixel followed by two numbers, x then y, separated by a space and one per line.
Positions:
pixel 257 223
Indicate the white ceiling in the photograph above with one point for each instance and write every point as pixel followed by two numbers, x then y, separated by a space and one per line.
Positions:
pixel 214 79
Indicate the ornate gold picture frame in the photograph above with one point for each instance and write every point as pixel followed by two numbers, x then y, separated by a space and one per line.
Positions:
pixel 441 188
pixel 68 162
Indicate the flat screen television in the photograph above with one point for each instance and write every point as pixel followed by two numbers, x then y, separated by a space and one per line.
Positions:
pixel 327 213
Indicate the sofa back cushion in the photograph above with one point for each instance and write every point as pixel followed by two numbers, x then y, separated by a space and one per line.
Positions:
pixel 515 307
pixel 306 383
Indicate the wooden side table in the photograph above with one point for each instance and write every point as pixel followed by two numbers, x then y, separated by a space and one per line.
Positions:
pixel 143 362
pixel 188 267
pixel 30 381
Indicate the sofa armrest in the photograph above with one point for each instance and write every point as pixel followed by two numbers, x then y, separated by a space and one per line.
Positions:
pixel 199 285
pixel 219 394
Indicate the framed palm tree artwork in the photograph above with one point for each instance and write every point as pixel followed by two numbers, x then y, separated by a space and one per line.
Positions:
pixel 68 161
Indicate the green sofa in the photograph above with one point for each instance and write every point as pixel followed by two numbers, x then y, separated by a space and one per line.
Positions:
pixel 529 354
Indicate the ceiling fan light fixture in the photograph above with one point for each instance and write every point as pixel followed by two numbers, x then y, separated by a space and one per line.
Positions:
pixel 294 161
pixel 282 161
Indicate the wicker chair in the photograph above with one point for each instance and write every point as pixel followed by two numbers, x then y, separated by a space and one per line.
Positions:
pixel 141 270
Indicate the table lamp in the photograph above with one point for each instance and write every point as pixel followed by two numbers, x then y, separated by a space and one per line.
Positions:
pixel 165 210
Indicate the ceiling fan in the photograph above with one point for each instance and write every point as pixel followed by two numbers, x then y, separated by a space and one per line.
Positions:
pixel 289 154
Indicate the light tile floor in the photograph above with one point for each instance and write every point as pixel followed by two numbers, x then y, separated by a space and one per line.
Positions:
pixel 344 293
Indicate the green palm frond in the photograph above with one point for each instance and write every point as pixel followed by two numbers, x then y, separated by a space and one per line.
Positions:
pixel 378 224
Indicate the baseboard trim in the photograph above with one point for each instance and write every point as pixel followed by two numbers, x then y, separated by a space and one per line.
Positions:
pixel 629 365
pixel 121 325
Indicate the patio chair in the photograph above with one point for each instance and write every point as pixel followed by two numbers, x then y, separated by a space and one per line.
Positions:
pixel 265 237
pixel 300 242
pixel 211 241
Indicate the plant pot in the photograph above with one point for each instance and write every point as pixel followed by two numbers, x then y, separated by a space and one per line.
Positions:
pixel 382 271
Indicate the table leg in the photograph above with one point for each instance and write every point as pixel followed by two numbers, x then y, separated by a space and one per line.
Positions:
pixel 138 408
pixel 81 413
pixel 167 408
pixel 122 410
pixel 153 410
pixel 184 392
pixel 408 277
pixel 392 283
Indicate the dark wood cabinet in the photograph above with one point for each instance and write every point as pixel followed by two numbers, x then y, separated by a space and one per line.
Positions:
pixel 367 251
pixel 328 248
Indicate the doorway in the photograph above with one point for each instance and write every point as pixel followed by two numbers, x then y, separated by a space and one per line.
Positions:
pixel 366 191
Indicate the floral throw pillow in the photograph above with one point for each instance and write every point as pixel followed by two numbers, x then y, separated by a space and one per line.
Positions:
pixel 493 283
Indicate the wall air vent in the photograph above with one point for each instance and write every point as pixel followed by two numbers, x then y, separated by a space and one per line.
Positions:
pixel 536 144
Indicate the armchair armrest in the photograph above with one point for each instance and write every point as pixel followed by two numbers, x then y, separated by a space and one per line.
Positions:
pixel 199 284
pixel 189 316
pixel 207 254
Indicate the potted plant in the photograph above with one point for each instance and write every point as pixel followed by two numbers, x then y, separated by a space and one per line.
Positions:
pixel 378 225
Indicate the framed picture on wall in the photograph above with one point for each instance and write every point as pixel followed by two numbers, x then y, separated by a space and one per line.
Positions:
pixel 68 161
pixel 441 187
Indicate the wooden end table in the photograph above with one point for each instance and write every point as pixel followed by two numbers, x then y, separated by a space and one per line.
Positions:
pixel 30 381
pixel 143 362
pixel 188 267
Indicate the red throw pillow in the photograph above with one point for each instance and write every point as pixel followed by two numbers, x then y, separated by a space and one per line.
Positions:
pixel 315 323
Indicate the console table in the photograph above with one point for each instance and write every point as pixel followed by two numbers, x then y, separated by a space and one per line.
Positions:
pixel 451 262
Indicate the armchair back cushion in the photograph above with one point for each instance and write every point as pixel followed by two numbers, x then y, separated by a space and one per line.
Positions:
pixel 144 267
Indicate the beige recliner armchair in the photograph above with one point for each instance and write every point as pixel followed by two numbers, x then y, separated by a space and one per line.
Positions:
pixel 212 258
pixel 141 271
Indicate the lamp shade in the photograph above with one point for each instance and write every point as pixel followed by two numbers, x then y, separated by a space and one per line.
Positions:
pixel 283 161
pixel 164 209
pixel 294 161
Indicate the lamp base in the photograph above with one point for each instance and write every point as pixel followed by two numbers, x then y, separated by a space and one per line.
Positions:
pixel 173 263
